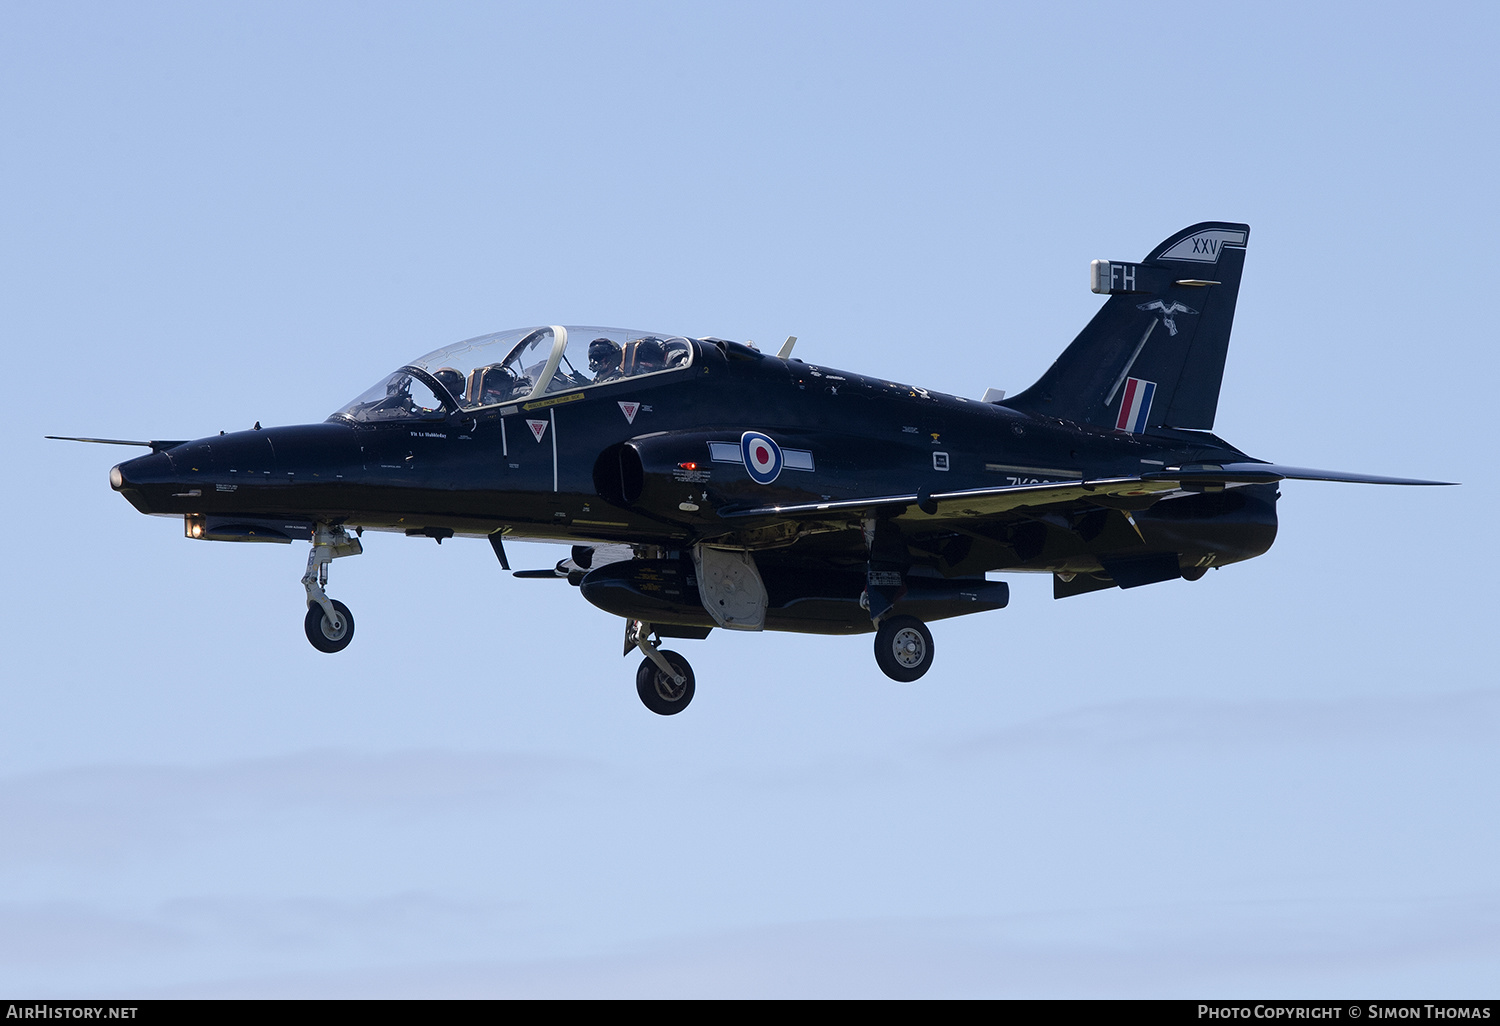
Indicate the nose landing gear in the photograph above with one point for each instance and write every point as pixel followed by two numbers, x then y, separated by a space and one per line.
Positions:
pixel 329 625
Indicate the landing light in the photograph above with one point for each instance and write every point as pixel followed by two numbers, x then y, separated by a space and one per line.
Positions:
pixel 192 526
pixel 116 479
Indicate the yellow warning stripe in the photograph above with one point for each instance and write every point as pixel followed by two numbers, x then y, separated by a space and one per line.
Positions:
pixel 556 401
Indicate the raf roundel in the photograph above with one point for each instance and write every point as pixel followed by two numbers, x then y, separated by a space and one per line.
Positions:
pixel 762 457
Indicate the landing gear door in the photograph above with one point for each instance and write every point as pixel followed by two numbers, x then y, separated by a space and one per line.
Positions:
pixel 730 587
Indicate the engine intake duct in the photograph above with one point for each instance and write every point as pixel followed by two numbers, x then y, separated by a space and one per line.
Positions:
pixel 815 601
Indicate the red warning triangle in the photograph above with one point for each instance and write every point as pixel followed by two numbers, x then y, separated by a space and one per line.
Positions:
pixel 538 428
pixel 629 409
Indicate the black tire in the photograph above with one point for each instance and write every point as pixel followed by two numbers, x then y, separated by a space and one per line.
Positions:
pixel 656 689
pixel 321 633
pixel 903 648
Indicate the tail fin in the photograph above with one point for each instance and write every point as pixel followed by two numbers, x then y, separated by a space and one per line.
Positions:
pixel 1154 354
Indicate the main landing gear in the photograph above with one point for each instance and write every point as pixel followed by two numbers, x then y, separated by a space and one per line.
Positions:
pixel 329 624
pixel 664 680
pixel 903 648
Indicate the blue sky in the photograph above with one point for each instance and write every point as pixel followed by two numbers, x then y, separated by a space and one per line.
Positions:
pixel 1280 779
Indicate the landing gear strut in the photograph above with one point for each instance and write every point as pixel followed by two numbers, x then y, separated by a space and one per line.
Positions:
pixel 903 648
pixel 664 680
pixel 329 625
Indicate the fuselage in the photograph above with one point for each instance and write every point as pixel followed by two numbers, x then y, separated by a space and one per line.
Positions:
pixel 640 460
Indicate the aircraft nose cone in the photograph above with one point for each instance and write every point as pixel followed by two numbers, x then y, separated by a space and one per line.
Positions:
pixel 147 482
pixel 143 470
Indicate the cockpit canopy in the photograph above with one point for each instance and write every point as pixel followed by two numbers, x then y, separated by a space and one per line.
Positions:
pixel 515 366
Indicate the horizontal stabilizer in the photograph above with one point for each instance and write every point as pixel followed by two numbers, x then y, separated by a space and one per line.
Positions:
pixel 1251 473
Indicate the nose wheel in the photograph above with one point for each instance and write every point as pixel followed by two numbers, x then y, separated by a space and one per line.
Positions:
pixel 903 648
pixel 329 635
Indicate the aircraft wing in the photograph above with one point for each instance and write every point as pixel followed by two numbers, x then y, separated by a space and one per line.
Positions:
pixel 972 502
pixel 1123 492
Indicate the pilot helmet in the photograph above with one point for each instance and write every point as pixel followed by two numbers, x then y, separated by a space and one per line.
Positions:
pixel 452 380
pixel 604 354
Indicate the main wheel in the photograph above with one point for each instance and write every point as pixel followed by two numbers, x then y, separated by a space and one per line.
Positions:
pixel 903 648
pixel 321 633
pixel 658 691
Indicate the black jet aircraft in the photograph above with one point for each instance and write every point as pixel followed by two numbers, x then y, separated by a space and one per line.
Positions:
pixel 703 483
